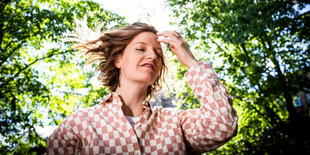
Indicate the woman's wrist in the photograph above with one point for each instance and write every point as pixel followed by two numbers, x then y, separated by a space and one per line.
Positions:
pixel 191 63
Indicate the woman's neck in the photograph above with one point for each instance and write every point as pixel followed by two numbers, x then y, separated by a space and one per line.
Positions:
pixel 132 96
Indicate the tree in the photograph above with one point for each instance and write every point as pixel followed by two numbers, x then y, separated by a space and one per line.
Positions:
pixel 39 74
pixel 264 46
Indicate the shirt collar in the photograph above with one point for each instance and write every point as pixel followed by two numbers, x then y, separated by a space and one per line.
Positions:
pixel 113 98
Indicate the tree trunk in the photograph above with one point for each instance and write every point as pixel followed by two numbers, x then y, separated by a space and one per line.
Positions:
pixel 285 89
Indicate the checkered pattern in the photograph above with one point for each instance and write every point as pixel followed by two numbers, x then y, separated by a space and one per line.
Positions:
pixel 103 129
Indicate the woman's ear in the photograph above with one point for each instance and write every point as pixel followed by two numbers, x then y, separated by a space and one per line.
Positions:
pixel 118 61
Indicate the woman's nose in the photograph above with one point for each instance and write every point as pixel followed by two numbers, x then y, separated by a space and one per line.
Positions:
pixel 151 54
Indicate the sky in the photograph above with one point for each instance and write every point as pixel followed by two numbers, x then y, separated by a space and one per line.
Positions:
pixel 152 12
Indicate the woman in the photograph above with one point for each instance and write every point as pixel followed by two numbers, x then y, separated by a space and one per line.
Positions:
pixel 131 66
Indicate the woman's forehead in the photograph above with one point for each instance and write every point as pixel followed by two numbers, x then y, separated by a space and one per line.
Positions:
pixel 146 38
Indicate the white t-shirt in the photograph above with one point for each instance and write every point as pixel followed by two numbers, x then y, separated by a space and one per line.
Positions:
pixel 132 121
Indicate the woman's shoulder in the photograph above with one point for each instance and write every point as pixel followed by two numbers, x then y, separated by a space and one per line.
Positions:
pixel 85 112
pixel 80 115
pixel 75 123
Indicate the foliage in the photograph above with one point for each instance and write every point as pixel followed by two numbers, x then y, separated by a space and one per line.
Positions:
pixel 264 46
pixel 41 79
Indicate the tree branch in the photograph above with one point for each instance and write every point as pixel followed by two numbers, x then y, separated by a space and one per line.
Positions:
pixel 1 35
pixel 284 85
pixel 246 53
pixel 9 44
pixel 11 52
pixel 4 4
pixel 219 46
pixel 70 92
pixel 272 115
pixel 256 110
pixel 27 66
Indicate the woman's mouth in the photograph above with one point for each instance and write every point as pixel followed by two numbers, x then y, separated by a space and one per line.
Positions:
pixel 149 65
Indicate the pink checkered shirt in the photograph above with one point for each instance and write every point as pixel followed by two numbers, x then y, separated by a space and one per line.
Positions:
pixel 103 129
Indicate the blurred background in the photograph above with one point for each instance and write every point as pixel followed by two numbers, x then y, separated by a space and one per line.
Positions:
pixel 259 49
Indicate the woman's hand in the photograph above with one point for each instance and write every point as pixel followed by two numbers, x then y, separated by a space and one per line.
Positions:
pixel 179 47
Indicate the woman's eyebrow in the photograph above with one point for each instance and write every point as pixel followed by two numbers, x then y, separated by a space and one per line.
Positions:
pixel 140 42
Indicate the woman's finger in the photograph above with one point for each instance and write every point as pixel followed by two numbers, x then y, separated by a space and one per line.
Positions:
pixel 170 34
pixel 170 42
pixel 178 46
pixel 174 39
pixel 171 37
pixel 166 40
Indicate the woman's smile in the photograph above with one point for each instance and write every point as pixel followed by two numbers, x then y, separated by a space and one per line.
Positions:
pixel 149 65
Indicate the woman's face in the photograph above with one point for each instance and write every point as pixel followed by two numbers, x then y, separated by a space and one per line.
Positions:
pixel 141 61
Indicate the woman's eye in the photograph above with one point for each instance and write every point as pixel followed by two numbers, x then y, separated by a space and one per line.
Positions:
pixel 140 49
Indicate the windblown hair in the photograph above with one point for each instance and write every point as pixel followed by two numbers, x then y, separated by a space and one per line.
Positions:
pixel 107 47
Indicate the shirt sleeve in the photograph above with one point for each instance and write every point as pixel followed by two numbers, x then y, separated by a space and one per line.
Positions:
pixel 216 121
pixel 63 140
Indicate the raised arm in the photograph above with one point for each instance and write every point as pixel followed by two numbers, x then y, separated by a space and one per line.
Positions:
pixel 216 120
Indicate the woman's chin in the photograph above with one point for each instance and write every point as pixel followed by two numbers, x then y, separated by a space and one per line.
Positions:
pixel 147 81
